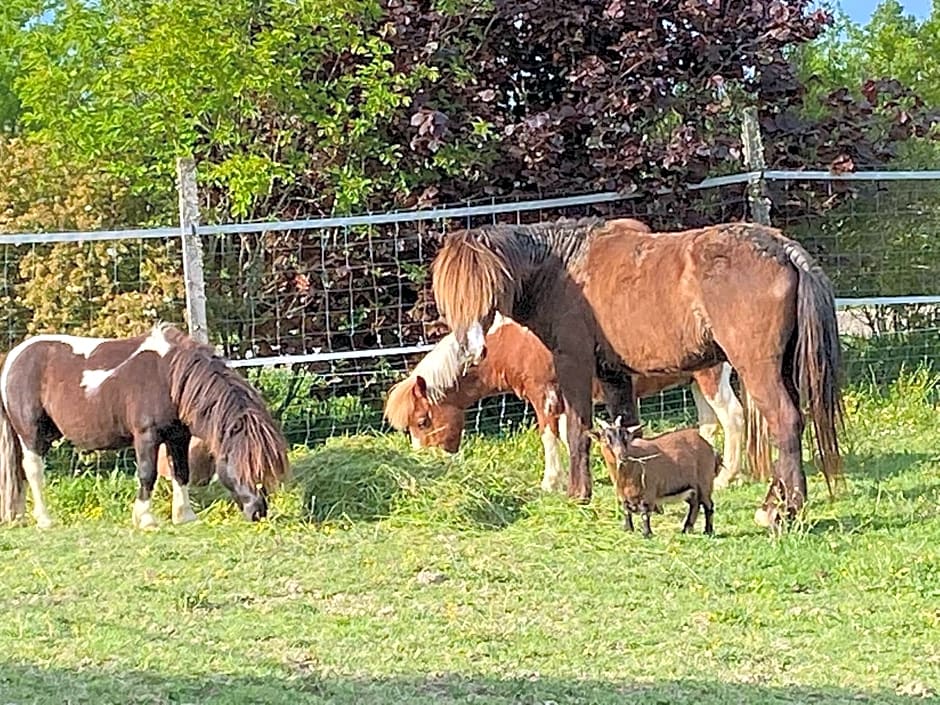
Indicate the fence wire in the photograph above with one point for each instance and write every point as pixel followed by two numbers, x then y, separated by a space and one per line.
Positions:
pixel 339 300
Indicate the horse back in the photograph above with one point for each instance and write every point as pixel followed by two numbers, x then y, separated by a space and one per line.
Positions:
pixel 95 392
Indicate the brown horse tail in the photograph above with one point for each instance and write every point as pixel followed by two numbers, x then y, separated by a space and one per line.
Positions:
pixel 469 280
pixel 758 446
pixel 817 360
pixel 12 477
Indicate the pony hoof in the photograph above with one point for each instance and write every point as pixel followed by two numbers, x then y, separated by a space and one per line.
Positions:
pixel 145 522
pixel 44 522
pixel 185 517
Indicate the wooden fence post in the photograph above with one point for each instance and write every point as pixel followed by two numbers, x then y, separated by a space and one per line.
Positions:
pixel 192 249
pixel 754 157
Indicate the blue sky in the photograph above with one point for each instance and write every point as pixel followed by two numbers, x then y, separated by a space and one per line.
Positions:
pixel 860 10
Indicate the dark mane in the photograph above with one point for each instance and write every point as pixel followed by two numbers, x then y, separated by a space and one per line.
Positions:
pixel 225 411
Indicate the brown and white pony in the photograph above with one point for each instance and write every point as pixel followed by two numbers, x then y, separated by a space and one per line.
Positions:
pixel 145 391
pixel 431 402
pixel 600 294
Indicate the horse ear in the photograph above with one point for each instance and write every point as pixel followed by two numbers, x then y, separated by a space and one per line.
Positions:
pixel 420 388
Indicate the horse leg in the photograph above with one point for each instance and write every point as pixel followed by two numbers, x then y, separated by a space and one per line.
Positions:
pixel 34 469
pixel 575 379
pixel 774 397
pixel 553 479
pixel 724 405
pixel 707 419
pixel 146 445
pixel 178 448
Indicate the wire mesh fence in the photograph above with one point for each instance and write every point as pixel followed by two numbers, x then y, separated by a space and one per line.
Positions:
pixel 324 316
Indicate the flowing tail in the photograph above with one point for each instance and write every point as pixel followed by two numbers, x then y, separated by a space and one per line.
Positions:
pixel 12 477
pixel 759 447
pixel 818 358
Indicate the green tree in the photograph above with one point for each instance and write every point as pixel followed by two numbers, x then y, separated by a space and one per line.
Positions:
pixel 262 94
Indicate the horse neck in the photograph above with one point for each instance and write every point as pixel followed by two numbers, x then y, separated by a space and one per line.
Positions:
pixel 479 382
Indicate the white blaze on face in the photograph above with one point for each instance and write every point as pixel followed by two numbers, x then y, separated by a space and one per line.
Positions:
pixel 415 442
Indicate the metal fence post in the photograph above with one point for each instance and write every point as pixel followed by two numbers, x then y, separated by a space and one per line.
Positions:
pixel 192 249
pixel 754 157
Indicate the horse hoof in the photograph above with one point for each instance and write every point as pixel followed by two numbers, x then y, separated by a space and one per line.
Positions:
pixel 44 522
pixel 185 517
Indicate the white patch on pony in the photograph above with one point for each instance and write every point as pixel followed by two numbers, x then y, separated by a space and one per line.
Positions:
pixel 499 320
pixel 80 346
pixel 476 342
pixel 415 442
pixel 34 468
pixel 141 517
pixel 554 478
pixel 155 342
pixel 563 429
pixel 92 379
pixel 182 509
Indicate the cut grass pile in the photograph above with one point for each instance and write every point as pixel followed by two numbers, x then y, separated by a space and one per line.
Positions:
pixel 385 575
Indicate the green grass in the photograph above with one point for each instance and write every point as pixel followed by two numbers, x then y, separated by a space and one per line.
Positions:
pixel 531 599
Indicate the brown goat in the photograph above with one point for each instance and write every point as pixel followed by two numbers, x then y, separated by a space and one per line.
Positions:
pixel 647 472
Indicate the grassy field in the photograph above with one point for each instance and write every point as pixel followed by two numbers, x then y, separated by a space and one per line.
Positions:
pixel 385 576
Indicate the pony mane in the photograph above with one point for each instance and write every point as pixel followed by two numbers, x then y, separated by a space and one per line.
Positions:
pixel 221 408
pixel 441 369
pixel 478 270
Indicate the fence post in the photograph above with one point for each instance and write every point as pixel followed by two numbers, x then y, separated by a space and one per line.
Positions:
pixel 192 249
pixel 754 157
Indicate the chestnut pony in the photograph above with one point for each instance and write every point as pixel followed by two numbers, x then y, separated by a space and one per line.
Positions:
pixel 431 402
pixel 145 391
pixel 602 295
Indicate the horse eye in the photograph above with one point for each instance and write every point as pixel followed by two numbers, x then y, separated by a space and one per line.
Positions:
pixel 424 422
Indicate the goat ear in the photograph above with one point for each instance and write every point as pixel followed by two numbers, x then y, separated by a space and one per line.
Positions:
pixel 421 388
pixel 594 435
pixel 634 429
pixel 618 421
pixel 603 424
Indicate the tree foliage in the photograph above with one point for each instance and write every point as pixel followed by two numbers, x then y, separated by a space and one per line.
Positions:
pixel 304 107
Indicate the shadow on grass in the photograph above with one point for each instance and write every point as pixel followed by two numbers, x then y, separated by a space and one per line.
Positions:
pixel 33 684
pixel 884 466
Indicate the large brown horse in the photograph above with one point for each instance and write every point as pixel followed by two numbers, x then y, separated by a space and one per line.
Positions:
pixel 158 388
pixel 603 296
